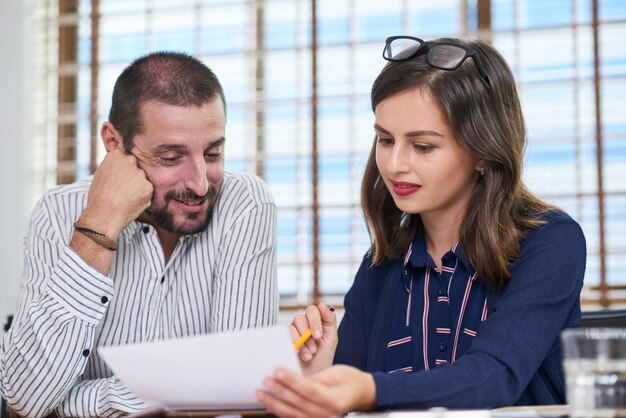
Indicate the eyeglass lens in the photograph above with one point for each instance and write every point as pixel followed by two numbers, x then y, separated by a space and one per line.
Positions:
pixel 402 49
pixel 446 56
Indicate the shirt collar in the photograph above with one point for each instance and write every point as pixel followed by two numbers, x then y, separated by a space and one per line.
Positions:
pixel 463 259
pixel 131 230
pixel 417 254
pixel 135 227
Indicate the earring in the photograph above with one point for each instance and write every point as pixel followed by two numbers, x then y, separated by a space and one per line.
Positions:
pixel 482 171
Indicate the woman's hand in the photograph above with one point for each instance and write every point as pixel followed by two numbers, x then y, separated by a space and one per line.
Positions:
pixel 330 393
pixel 318 352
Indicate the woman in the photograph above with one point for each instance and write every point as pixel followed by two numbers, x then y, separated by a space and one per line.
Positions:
pixel 470 278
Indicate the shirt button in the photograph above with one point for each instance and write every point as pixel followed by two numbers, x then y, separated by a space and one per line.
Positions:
pixel 146 229
pixel 443 346
pixel 441 292
pixel 86 352
pixel 162 279
pixel 104 299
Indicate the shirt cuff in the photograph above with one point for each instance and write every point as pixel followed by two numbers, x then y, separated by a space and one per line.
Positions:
pixel 384 398
pixel 81 289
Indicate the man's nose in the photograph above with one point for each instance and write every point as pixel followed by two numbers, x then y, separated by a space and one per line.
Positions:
pixel 196 177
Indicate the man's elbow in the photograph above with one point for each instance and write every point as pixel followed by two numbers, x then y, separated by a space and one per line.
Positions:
pixel 28 411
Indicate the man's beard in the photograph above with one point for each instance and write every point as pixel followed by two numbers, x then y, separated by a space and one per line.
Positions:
pixel 165 219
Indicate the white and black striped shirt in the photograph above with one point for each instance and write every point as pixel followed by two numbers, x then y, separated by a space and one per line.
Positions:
pixel 221 279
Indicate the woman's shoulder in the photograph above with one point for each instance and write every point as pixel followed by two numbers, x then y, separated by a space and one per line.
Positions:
pixel 552 260
pixel 368 266
pixel 556 215
pixel 370 274
pixel 557 228
pixel 554 221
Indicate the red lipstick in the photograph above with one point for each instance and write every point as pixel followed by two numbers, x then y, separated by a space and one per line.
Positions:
pixel 402 188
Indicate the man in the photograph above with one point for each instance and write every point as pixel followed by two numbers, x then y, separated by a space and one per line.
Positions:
pixel 160 244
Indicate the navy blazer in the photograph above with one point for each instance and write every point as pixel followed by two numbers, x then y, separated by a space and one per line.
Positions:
pixel 515 358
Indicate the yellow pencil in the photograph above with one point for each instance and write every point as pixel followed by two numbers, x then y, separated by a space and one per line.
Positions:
pixel 302 339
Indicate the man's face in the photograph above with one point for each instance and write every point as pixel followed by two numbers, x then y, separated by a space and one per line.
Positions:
pixel 182 152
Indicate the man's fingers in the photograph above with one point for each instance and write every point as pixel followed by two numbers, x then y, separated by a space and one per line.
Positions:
pixel 138 156
pixel 120 156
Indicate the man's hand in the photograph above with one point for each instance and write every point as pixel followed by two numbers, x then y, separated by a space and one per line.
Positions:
pixel 119 193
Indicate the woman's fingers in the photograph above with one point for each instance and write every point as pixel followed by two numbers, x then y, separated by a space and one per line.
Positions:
pixel 304 352
pixel 327 315
pixel 277 405
pixel 305 389
pixel 322 322
pixel 314 319
pixel 300 324
pixel 295 395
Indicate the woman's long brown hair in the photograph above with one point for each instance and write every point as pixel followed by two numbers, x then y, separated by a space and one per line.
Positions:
pixel 487 122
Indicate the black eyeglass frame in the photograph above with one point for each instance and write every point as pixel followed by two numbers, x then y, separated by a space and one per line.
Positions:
pixel 429 46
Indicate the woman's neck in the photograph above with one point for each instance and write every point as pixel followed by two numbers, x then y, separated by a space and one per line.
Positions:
pixel 441 233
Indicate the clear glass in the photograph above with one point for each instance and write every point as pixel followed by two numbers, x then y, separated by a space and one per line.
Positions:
pixel 402 48
pixel 447 56
pixel 594 360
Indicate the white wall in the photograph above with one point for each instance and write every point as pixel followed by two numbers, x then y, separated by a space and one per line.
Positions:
pixel 16 167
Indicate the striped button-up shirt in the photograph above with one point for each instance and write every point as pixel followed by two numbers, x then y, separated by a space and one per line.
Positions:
pixel 223 278
pixel 437 312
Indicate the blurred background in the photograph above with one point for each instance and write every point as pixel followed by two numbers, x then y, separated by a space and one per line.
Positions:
pixel 297 76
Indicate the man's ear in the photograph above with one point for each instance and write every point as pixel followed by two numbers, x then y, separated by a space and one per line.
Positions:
pixel 111 138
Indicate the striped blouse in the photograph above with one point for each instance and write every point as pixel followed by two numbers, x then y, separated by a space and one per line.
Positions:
pixel 223 278
pixel 438 311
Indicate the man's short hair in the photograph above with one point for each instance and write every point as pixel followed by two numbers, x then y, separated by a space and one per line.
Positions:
pixel 169 77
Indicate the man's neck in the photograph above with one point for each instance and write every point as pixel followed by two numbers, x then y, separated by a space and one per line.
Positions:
pixel 168 240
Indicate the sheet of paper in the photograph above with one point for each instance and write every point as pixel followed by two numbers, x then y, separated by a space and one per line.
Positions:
pixel 215 371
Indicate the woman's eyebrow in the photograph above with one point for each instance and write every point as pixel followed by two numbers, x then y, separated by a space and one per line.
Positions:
pixel 423 133
pixel 381 129
pixel 417 133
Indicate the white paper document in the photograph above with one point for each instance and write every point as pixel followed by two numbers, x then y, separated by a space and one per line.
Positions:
pixel 214 371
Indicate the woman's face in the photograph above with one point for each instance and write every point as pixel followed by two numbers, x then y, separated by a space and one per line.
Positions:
pixel 422 165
